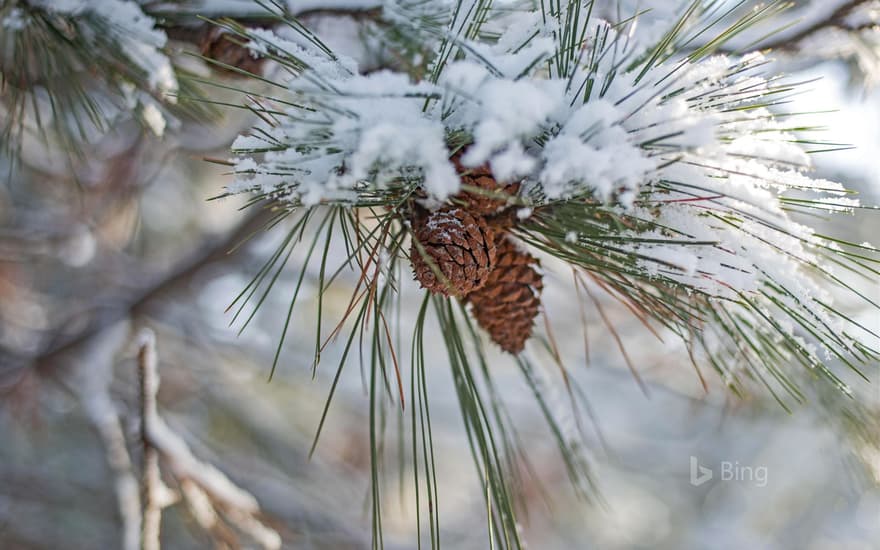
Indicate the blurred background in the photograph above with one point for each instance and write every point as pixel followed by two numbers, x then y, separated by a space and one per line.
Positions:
pixel 93 251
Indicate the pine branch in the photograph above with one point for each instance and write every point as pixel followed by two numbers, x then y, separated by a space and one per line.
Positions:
pixel 207 490
pixel 837 20
pixel 143 297
pixel 88 375
pixel 644 167
pixel 790 42
pixel 151 481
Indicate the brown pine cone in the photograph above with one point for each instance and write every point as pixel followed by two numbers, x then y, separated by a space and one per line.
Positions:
pixel 493 198
pixel 460 245
pixel 508 303
pixel 216 43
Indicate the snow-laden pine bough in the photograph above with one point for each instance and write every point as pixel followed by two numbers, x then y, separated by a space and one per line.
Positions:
pixel 661 173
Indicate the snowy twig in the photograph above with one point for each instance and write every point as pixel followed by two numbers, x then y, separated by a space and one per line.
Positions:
pixel 184 465
pixel 836 20
pixel 84 361
pixel 205 514
pixel 151 477
pixel 88 376
pixel 113 438
pixel 205 488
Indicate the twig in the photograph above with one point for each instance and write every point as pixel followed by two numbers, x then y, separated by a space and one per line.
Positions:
pixel 125 481
pixel 205 488
pixel 835 20
pixel 88 377
pixel 790 42
pixel 83 362
pixel 150 480
pixel 212 250
pixel 184 465
pixel 199 505
pixel 365 13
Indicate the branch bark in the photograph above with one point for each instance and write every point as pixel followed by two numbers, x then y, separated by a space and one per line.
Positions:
pixel 205 488
pixel 151 479
pixel 835 20
pixel 212 250
pixel 88 377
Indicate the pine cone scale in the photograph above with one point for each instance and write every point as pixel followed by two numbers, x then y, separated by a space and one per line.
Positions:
pixel 507 305
pixel 459 245
pixel 465 250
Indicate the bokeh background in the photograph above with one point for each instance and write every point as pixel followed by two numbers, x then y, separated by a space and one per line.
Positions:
pixel 124 239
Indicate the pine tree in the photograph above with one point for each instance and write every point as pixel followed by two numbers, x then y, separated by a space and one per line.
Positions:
pixel 649 156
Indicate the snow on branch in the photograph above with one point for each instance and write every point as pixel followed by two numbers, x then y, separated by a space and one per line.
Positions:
pixel 123 22
pixel 691 152
pixel 88 375
pixel 209 493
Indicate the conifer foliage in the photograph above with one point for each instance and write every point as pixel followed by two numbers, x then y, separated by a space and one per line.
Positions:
pixel 662 172
pixel 473 145
pixel 659 170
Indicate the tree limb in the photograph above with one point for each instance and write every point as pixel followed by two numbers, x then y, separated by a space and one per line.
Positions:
pixel 151 480
pixel 835 21
pixel 212 250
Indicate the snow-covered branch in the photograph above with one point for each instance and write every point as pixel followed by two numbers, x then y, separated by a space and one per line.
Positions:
pixel 88 375
pixel 209 493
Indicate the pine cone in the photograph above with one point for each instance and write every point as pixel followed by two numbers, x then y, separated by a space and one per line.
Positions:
pixel 216 44
pixel 494 200
pixel 508 303
pixel 459 244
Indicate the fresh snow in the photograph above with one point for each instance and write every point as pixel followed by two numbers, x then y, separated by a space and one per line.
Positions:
pixel 687 146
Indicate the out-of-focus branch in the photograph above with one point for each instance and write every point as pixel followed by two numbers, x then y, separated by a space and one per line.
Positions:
pixel 837 20
pixel 202 510
pixel 83 362
pixel 140 299
pixel 208 491
pixel 790 39
pixel 184 465
pixel 362 13
pixel 151 479
pixel 88 377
